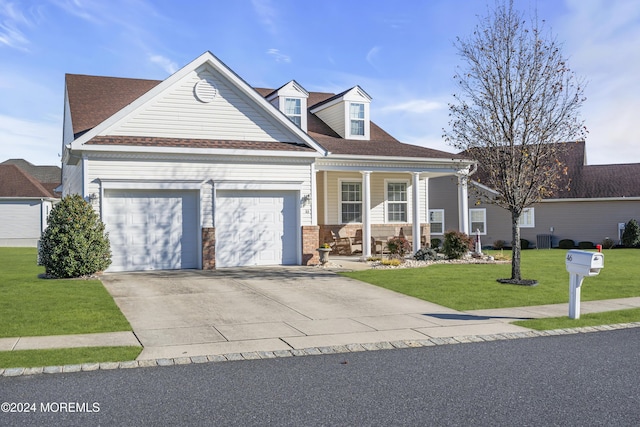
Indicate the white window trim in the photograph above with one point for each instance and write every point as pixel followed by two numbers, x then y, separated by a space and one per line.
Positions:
pixel 387 201
pixel 347 180
pixel 443 226
pixel 484 212
pixel 347 123
pixel 533 218
pixel 293 115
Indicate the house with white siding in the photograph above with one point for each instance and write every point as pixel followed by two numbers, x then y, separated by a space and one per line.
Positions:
pixel 202 170
pixel 595 205
pixel 26 198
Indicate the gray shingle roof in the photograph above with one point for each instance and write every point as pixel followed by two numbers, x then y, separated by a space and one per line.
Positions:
pixel 594 181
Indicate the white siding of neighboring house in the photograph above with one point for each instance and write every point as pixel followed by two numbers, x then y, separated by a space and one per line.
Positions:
pixel 334 117
pixel 21 223
pixel 239 169
pixel 176 113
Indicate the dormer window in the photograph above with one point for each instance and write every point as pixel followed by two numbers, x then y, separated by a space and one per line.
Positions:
pixel 293 110
pixel 356 115
pixel 347 113
pixel 291 100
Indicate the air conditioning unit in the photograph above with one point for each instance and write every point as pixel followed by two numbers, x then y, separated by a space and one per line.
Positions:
pixel 543 241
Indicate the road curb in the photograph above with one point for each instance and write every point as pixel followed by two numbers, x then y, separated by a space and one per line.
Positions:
pixel 312 351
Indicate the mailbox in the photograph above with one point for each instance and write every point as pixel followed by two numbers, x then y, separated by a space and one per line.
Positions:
pixel 584 263
pixel 581 264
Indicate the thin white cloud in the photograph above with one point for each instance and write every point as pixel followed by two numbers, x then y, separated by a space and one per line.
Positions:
pixel 168 65
pixel 372 55
pixel 11 19
pixel 267 14
pixel 278 56
pixel 416 106
pixel 38 142
pixel 80 8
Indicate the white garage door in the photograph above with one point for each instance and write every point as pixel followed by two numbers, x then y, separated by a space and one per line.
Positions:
pixel 256 228
pixel 152 230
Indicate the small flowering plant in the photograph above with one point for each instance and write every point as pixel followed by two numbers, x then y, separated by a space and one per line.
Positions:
pixel 398 247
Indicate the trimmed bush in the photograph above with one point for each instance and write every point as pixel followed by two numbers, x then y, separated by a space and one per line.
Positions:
pixel 631 234
pixel 586 245
pixel 456 244
pixel 566 244
pixel 499 244
pixel 524 244
pixel 608 243
pixel 426 254
pixel 74 243
pixel 435 243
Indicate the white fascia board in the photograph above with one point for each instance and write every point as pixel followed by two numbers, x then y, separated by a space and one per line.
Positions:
pixel 123 184
pixel 24 199
pixel 200 151
pixel 352 157
pixel 356 93
pixel 225 71
pixel 257 185
pixel 292 89
pixel 484 187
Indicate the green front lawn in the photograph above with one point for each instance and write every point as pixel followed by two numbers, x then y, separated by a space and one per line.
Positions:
pixel 591 319
pixel 32 306
pixel 474 286
pixel 66 356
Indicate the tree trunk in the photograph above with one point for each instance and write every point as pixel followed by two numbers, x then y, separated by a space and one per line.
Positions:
pixel 515 247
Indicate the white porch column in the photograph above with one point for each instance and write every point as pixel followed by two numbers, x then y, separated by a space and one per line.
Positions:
pixel 366 214
pixel 463 203
pixel 416 210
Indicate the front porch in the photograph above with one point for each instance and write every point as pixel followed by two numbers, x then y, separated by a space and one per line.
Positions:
pixel 359 206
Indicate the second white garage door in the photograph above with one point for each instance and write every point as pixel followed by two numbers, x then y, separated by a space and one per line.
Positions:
pixel 256 228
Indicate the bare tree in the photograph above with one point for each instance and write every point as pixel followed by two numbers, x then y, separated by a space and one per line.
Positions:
pixel 517 103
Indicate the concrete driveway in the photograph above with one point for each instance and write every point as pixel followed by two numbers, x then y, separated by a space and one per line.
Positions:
pixel 194 312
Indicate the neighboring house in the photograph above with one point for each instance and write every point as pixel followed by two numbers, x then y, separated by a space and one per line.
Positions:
pixel 26 198
pixel 599 200
pixel 203 171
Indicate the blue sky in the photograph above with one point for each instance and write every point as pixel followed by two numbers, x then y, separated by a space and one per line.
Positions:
pixel 401 52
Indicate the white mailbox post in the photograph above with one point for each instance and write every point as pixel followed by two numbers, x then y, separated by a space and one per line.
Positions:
pixel 581 264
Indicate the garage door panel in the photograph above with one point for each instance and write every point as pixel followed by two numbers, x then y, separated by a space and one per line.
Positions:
pixel 251 228
pixel 152 230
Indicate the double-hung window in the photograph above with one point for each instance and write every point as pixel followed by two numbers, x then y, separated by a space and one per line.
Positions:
pixel 396 202
pixel 351 202
pixel 478 220
pixel 356 116
pixel 436 221
pixel 293 110
pixel 527 218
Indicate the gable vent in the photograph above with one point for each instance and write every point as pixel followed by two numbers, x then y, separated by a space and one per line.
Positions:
pixel 205 90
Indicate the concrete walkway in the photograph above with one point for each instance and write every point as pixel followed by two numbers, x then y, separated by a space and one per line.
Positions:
pixel 192 313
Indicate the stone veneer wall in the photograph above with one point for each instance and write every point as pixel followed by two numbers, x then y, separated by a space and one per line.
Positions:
pixel 310 242
pixel 209 248
pixel 379 231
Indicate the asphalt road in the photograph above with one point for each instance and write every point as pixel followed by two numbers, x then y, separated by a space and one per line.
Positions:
pixel 573 380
